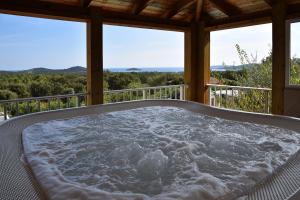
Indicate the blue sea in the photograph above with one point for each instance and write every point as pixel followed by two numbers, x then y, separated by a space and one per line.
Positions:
pixel 147 69
pixel 161 69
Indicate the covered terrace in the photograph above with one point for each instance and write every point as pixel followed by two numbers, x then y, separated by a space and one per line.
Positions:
pixel 196 18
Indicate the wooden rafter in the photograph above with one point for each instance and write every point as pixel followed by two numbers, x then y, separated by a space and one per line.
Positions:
pixel 76 13
pixel 85 3
pixel 44 9
pixel 198 13
pixel 139 6
pixel 260 17
pixel 240 20
pixel 207 17
pixel 226 7
pixel 269 2
pixel 199 10
pixel 293 12
pixel 143 21
pixel 177 7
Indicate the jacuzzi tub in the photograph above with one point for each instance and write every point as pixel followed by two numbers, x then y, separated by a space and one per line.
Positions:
pixel 17 180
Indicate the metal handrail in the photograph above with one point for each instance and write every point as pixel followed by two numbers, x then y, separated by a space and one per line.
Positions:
pixel 82 94
pixel 159 92
pixel 42 98
pixel 144 88
pixel 233 95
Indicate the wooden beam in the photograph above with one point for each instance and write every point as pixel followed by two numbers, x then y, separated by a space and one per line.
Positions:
pixel 139 6
pixel 95 60
pixel 256 18
pixel 293 12
pixel 201 16
pixel 44 9
pixel 197 63
pixel 48 10
pixel 226 7
pixel 207 17
pixel 177 7
pixel 121 19
pixel 199 10
pixel 85 3
pixel 251 19
pixel 269 2
pixel 280 55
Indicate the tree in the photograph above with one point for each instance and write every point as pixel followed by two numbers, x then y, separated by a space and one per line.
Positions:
pixel 136 84
pixel 68 91
pixel 295 71
pixel 7 95
pixel 20 89
pixel 255 75
pixel 38 89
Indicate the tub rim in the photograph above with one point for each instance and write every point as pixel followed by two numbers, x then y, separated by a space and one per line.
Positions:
pixel 11 132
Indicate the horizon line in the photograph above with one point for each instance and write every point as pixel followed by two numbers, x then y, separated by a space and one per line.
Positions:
pixel 143 67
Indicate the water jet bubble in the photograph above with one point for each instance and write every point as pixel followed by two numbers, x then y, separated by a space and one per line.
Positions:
pixel 270 146
pixel 135 153
pixel 152 165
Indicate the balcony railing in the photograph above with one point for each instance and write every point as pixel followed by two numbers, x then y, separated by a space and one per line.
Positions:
pixel 159 92
pixel 250 99
pixel 17 107
pixel 233 97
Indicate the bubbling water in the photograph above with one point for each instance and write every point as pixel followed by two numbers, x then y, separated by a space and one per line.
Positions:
pixel 154 153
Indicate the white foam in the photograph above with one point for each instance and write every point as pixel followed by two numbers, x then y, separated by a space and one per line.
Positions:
pixel 153 153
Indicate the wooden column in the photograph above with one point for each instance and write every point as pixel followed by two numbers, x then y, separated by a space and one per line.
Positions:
pixel 280 59
pixel 95 60
pixel 197 63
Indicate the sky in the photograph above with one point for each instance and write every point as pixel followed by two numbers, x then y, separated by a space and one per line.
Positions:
pixel 255 40
pixel 27 42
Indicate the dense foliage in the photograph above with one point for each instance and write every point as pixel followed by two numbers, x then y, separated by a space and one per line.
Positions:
pixel 22 85
pixel 295 71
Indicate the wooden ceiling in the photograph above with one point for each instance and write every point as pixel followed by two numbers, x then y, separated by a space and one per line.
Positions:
pixel 216 13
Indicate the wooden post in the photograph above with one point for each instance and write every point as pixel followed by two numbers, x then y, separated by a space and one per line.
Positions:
pixel 280 57
pixel 95 60
pixel 197 63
